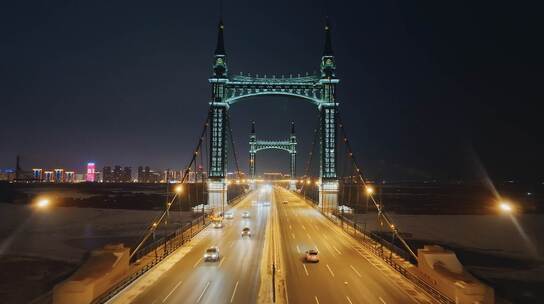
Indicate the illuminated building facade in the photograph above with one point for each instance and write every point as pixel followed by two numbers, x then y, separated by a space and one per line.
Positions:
pixel 91 173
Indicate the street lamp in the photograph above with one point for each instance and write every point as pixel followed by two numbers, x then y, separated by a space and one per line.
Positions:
pixel 42 203
pixel 369 190
pixel 506 207
pixel 179 189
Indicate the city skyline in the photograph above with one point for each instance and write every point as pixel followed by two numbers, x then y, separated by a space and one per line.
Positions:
pixel 423 104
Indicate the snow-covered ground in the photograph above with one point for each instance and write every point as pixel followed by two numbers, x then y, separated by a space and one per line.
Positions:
pixel 520 237
pixel 67 233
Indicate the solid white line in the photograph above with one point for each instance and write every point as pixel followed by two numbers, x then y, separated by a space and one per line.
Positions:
pixel 196 264
pixel 316 300
pixel 330 270
pixel 298 249
pixel 357 272
pixel 382 300
pixel 203 291
pixel 336 249
pixel 305 270
pixel 349 300
pixel 221 262
pixel 172 291
pixel 234 292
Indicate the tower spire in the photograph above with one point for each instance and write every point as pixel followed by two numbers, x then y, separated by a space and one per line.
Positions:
pixel 292 128
pixel 327 50
pixel 253 127
pixel 220 48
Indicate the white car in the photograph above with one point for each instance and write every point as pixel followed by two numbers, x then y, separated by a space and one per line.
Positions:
pixel 312 256
pixel 211 254
pixel 229 215
pixel 217 224
pixel 245 214
pixel 246 232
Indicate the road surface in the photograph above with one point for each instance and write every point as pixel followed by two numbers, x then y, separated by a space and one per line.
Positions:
pixel 342 275
pixel 234 278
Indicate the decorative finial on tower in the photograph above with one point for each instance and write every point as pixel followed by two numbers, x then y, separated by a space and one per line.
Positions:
pixel 220 48
pixel 327 51
pixel 292 128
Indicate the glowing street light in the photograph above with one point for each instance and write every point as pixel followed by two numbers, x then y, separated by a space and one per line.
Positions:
pixel 369 190
pixel 43 203
pixel 506 207
pixel 178 189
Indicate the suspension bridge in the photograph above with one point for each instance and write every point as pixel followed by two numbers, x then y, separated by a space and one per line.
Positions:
pixel 317 210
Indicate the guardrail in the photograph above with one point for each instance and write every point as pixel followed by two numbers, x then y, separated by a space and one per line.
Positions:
pixel 375 245
pixel 156 251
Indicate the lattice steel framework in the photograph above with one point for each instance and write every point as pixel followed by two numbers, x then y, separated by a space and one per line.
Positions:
pixel 320 90
pixel 256 145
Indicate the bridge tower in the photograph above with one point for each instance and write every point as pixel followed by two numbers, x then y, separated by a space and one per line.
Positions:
pixel 252 154
pixel 217 171
pixel 328 186
pixel 289 146
pixel 319 90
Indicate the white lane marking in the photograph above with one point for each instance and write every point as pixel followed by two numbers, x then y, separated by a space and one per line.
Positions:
pixel 330 270
pixel 197 262
pixel 381 300
pixel 234 292
pixel 290 227
pixel 305 270
pixel 316 247
pixel 325 237
pixel 231 243
pixel 355 270
pixel 303 227
pixel 203 291
pixel 349 300
pixel 298 249
pixel 309 236
pixel 293 235
pixel 221 262
pixel 316 300
pixel 336 249
pixel 171 291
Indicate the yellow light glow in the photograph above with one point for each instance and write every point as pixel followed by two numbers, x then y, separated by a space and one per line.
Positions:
pixel 43 203
pixel 178 189
pixel 369 190
pixel 505 207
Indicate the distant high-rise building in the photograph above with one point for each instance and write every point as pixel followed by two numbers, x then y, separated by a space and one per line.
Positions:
pixel 48 177
pixel 117 172
pixel 91 173
pixel 107 176
pixel 126 176
pixel 69 177
pixel 37 174
pixel 59 175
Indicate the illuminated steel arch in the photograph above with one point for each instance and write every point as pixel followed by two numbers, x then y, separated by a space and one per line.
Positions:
pixel 256 145
pixel 228 89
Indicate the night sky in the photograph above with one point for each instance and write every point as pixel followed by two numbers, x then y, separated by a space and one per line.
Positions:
pixel 429 89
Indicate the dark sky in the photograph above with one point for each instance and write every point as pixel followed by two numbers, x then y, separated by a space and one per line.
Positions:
pixel 428 88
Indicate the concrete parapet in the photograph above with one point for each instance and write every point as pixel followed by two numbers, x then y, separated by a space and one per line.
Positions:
pixel 104 268
pixel 441 269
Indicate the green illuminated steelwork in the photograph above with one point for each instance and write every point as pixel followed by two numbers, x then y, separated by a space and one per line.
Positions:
pixel 320 90
pixel 285 145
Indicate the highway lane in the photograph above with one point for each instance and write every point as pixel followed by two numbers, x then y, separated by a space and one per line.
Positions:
pixel 234 278
pixel 342 275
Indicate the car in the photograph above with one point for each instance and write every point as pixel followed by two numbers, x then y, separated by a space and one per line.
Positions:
pixel 229 215
pixel 245 214
pixel 217 224
pixel 312 256
pixel 246 232
pixel 211 254
pixel 285 202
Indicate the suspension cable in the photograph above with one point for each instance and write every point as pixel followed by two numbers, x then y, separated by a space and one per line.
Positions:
pixel 232 144
pixel 153 227
pixel 394 229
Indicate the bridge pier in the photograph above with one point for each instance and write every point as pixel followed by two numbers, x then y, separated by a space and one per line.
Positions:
pixel 217 195
pixel 328 195
pixel 293 185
